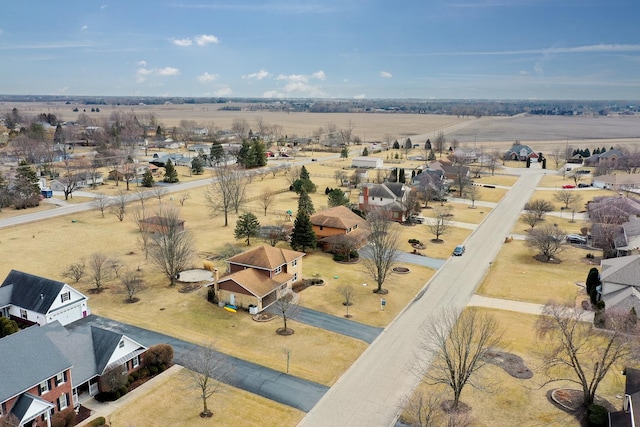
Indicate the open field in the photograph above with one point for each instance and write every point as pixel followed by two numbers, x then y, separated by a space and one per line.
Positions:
pixel 507 398
pixel 586 195
pixel 517 275
pixel 564 222
pixel 231 406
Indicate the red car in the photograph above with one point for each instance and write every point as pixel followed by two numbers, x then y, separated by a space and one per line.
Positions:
pixel 568 186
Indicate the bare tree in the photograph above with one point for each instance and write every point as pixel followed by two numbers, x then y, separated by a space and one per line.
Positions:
pixel 340 175
pixel 142 196
pixel 382 252
pixel 535 211
pixel 132 283
pixel 113 378
pixel 159 192
pixel 266 199
pixel 140 218
pixel 570 342
pixel 568 197
pixel 119 205
pixel 452 348
pixel 557 154
pixel 575 176
pixel 471 193
pixel 208 369
pixel 225 191
pixel 276 233
pixel 422 410
pixel 101 202
pixel 439 143
pixel 183 198
pixel 439 223
pixel 75 271
pixel 115 264
pixel 548 240
pixel 172 248
pixel 241 128
pixel 98 265
pixel 348 292
pixel 286 306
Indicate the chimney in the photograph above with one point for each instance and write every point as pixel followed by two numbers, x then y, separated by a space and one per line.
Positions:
pixel 365 198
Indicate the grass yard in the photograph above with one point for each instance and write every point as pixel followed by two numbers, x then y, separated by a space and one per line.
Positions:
pixel 453 237
pixel 586 195
pixel 497 179
pixel 507 398
pixel 366 304
pixel 517 275
pixel 231 406
pixel 564 222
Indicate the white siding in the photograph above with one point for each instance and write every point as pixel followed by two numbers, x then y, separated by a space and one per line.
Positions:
pixel 128 347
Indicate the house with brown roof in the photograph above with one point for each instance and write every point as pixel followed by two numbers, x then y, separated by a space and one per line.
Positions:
pixel 159 224
pixel 620 279
pixel 259 277
pixel 334 224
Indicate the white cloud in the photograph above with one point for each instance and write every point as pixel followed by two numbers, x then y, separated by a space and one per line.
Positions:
pixel 298 85
pixel 224 91
pixel 84 27
pixel 142 63
pixel 207 78
pixel 523 73
pixel 262 74
pixel 205 39
pixel 319 75
pixel 385 74
pixel 182 42
pixel 360 96
pixel 272 94
pixel 168 71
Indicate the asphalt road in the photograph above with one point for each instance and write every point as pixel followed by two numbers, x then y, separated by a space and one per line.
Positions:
pixel 336 324
pixel 260 380
pixel 372 391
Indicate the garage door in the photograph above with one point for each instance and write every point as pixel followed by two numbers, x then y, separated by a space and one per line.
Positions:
pixel 67 315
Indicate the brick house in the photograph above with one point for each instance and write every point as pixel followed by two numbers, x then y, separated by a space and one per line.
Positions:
pixel 338 222
pixel 259 276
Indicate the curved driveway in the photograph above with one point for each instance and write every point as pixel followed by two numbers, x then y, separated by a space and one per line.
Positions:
pixel 372 390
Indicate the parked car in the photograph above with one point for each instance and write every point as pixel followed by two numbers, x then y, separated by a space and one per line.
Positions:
pixel 417 219
pixel 568 186
pixel 459 250
pixel 576 238
pixel 583 185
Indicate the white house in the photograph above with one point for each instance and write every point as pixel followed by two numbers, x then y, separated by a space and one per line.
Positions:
pixel 39 300
pixel 367 162
pixel 620 279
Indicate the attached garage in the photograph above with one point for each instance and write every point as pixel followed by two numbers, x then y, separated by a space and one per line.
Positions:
pixel 250 287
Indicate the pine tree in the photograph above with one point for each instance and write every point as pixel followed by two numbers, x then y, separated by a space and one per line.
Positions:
pixel 197 165
pixel 432 156
pixel 365 152
pixel 247 227
pixel 337 198
pixel 408 144
pixel 304 173
pixel 5 199
pixel 305 204
pixel 147 179
pixel 303 236
pixel 170 173
pixel 58 136
pixel 26 191
pixel 401 177
pixel 216 153
pixel 396 145
pixel 427 145
pixel 260 153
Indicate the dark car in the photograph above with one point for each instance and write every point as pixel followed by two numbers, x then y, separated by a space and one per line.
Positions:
pixel 576 238
pixel 583 185
pixel 459 250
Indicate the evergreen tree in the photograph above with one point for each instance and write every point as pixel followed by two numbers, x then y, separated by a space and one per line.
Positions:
pixel 25 192
pixel 5 198
pixel 401 177
pixel 603 150
pixel 245 155
pixel 159 132
pixel 365 152
pixel 427 145
pixel 197 165
pixel 304 173
pixel 432 156
pixel 305 203
pixel 407 144
pixel 593 280
pixel 337 198
pixel 393 177
pixel 260 153
pixel 216 153
pixel 396 145
pixel 58 136
pixel 147 179
pixel 170 173
pixel 344 153
pixel 247 227
pixel 303 237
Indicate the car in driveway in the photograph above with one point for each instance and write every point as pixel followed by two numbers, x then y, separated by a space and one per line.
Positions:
pixel 568 186
pixel 459 250
pixel 576 238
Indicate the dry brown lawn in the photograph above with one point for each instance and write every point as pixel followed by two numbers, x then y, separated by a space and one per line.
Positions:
pixel 564 222
pixel 231 406
pixel 517 275
pixel 586 195
pixel 506 398
pixel 497 179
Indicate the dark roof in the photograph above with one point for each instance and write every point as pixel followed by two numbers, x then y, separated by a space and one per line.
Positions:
pixel 31 292
pixel 26 403
pixel 28 358
pixel 397 188
pixel 611 153
pixel 632 381
pixel 104 344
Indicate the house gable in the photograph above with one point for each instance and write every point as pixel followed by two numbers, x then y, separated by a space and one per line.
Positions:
pixel 32 292
pixel 265 257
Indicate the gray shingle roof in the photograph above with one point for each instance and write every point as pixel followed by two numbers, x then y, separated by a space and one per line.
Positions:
pixel 31 292
pixel 104 344
pixel 28 358
pixel 623 270
pixel 25 402
pixel 77 347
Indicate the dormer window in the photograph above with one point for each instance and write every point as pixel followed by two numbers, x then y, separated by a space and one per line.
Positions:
pixel 121 344
pixel 277 270
pixel 65 296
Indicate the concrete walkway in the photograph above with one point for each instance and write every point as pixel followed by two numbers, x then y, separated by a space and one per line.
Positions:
pixel 105 409
pixel 519 306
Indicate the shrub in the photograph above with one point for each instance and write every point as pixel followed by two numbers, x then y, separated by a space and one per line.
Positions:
pixel 597 415
pixel 354 254
pixel 65 418
pixel 158 354
pixel 339 257
pixel 144 372
pixel 162 367
pixel 590 256
pixel 600 305
pixel 123 390
pixel 153 369
pixel 116 395
pixel 100 421
pixel 414 241
pixel 135 375
pixel 130 379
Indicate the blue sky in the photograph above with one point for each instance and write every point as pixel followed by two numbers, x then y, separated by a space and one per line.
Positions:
pixel 462 49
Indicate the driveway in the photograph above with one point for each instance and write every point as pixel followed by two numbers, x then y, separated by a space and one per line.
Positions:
pixel 335 324
pixel 404 257
pixel 266 382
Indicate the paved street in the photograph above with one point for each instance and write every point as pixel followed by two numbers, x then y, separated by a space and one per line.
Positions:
pixel 260 380
pixel 372 390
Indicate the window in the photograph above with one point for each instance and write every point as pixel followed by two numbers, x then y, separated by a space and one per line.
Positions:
pixel 295 277
pixel 294 263
pixel 121 344
pixel 355 226
pixel 44 387
pixel 136 361
pixel 321 228
pixel 349 230
pixel 60 378
pixel 278 270
pixel 65 296
pixel 23 313
pixel 62 402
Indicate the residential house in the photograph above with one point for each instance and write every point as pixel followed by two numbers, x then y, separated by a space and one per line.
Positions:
pixel 158 224
pixel 367 162
pixel 466 154
pixel 80 180
pixel 612 159
pixel 259 277
pixel 618 182
pixel 630 414
pixel 333 224
pixel 389 196
pixel 620 279
pixel 36 378
pixel 430 184
pixel 627 237
pixel 521 152
pixel 48 369
pixel 33 299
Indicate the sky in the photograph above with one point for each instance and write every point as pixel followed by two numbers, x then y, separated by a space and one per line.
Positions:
pixel 348 49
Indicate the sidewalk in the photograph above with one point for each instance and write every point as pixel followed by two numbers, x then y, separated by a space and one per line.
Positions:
pixel 105 409
pixel 519 306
